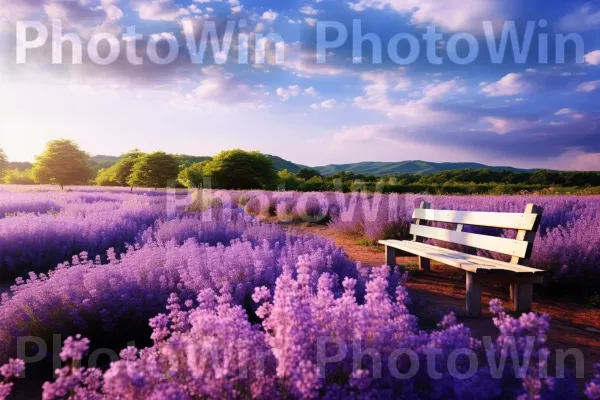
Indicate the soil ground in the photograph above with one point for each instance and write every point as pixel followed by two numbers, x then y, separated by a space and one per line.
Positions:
pixel 442 290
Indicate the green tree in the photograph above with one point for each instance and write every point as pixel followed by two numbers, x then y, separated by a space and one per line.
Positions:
pixel 3 161
pixel 124 167
pixel 238 169
pixel 288 180
pixel 154 170
pixel 106 177
pixel 62 163
pixel 18 177
pixel 119 173
pixel 192 176
pixel 307 173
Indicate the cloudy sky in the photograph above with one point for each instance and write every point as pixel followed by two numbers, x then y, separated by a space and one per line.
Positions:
pixel 350 109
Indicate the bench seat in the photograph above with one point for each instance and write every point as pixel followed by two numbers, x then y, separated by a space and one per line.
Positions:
pixel 467 262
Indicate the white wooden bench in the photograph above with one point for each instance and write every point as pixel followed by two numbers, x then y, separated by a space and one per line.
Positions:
pixel 479 269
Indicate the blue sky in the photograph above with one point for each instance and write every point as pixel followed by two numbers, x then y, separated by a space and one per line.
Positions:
pixel 526 114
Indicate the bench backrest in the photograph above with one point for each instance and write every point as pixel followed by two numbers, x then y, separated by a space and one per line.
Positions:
pixel 525 223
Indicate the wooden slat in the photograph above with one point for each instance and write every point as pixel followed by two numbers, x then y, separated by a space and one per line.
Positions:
pixel 501 245
pixel 524 221
pixel 459 260
pixel 476 259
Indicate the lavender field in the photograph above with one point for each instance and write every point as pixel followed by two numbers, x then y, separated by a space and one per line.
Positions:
pixel 223 302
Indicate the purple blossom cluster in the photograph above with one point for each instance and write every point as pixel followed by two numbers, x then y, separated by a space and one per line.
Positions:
pixel 592 390
pixel 184 255
pixel 9 371
pixel 36 243
pixel 316 342
pixel 15 205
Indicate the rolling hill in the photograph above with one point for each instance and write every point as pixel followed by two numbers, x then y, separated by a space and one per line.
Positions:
pixel 407 167
pixel 366 168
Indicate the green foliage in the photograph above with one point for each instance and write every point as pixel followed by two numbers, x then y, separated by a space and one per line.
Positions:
pixel 106 177
pixel 288 180
pixel 124 167
pixel 186 161
pixel 18 177
pixel 308 173
pixel 62 163
pixel 100 161
pixel 192 176
pixel 119 173
pixel 3 161
pixel 238 169
pixel 154 170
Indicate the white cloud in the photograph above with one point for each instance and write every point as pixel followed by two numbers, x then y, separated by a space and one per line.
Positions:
pixel 453 15
pixel 304 62
pixel 270 15
pixel 236 6
pixel 327 104
pixel 311 21
pixel 584 18
pixel 588 86
pixel 224 91
pixel 291 91
pixel 311 92
pixel 505 125
pixel 564 111
pixel 309 10
pixel 509 85
pixel 420 111
pixel 593 57
pixel 160 10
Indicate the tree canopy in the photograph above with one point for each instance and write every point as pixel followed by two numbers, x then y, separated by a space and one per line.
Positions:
pixel 307 173
pixel 3 161
pixel 154 170
pixel 62 163
pixel 119 173
pixel 192 176
pixel 239 169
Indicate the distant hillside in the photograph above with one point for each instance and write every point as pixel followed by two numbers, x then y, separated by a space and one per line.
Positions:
pixel 406 167
pixel 366 168
pixel 280 164
pixel 21 166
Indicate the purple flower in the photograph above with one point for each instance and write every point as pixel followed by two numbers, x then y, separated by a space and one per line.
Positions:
pixel 13 368
pixel 74 348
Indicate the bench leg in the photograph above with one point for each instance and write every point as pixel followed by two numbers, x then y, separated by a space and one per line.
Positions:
pixel 512 293
pixel 473 295
pixel 522 296
pixel 424 264
pixel 390 256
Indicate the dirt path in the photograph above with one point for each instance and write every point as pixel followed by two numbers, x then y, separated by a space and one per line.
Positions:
pixel 442 290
